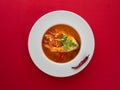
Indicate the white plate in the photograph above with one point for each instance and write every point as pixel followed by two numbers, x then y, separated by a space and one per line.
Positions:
pixel 35 43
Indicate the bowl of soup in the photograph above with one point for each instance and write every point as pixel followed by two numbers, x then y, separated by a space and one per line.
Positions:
pixel 60 42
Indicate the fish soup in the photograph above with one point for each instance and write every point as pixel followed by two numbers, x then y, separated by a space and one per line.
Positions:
pixel 61 43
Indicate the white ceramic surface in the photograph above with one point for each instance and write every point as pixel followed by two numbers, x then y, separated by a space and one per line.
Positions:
pixel 35 43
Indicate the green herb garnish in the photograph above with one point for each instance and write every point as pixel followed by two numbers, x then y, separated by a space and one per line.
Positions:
pixel 67 43
pixel 64 38
pixel 71 44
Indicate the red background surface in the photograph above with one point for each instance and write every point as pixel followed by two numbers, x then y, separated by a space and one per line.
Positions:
pixel 17 71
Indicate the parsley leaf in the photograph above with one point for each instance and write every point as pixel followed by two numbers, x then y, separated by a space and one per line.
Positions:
pixel 64 38
pixel 71 44
pixel 67 43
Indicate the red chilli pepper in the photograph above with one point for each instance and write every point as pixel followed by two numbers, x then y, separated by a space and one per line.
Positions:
pixel 61 56
pixel 81 63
